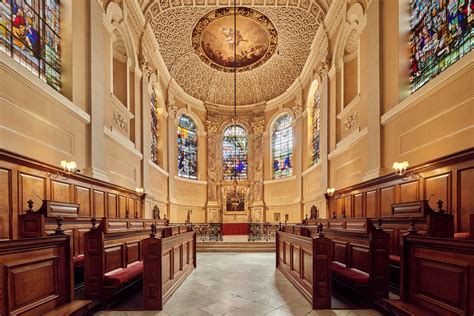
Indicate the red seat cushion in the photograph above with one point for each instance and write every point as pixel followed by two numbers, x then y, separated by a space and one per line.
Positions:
pixel 126 275
pixel 78 261
pixel 348 275
pixel 395 259
pixel 462 235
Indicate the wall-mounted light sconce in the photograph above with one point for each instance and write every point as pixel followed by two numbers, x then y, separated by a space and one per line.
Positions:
pixel 330 192
pixel 69 168
pixel 401 170
pixel 140 192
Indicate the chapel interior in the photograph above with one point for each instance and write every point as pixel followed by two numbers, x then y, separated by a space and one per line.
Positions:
pixel 237 157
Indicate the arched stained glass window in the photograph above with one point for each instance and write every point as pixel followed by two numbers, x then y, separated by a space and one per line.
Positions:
pixel 441 33
pixel 154 127
pixel 316 127
pixel 187 148
pixel 282 147
pixel 234 150
pixel 29 32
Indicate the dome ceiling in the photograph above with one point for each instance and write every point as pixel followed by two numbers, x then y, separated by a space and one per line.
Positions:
pixel 273 43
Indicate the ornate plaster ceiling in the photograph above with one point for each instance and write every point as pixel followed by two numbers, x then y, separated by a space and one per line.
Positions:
pixel 204 77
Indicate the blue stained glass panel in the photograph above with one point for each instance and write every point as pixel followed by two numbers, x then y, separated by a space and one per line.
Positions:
pixel 282 147
pixel 235 152
pixel 441 33
pixel 29 32
pixel 317 128
pixel 187 147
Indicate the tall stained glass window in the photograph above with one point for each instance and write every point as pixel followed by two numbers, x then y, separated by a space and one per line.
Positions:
pixel 187 147
pixel 29 32
pixel 441 32
pixel 234 147
pixel 316 127
pixel 282 147
pixel 154 128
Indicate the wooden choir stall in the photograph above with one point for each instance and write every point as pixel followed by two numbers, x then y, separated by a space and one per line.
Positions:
pixel 118 255
pixel 36 277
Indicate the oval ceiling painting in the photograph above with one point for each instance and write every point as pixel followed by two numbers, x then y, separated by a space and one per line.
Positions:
pixel 254 39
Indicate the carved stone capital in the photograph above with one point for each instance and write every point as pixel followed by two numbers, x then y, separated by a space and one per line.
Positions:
pixel 258 126
pixel 212 127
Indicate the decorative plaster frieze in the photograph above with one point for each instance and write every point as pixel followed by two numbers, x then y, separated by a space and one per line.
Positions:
pixel 351 121
pixel 120 122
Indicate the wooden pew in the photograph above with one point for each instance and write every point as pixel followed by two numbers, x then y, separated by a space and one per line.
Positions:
pixel 360 255
pixel 44 221
pixel 166 264
pixel 437 277
pixel 36 277
pixel 305 261
pixel 113 255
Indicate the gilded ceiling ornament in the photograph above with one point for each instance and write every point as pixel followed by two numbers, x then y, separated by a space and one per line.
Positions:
pixel 214 37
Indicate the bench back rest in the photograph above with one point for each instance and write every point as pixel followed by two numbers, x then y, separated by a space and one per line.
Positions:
pixel 437 274
pixel 166 262
pixel 35 275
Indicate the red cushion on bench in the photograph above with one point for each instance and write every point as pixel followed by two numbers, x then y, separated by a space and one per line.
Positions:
pixel 395 259
pixel 462 235
pixel 348 275
pixel 126 275
pixel 78 261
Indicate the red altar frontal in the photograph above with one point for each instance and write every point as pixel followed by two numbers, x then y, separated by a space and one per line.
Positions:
pixel 235 229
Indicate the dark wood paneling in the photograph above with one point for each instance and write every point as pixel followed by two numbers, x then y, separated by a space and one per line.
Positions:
pixel 466 197
pixel 387 198
pixel 111 205
pixel 359 205
pixel 99 204
pixel 122 207
pixel 31 187
pixel 409 191
pixel 83 198
pixel 371 203
pixel 348 206
pixel 61 191
pixel 438 188
pixel 5 203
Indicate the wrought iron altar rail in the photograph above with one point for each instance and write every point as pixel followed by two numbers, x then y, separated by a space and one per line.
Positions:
pixel 208 231
pixel 262 231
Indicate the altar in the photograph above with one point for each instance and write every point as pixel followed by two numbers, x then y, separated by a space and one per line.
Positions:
pixel 235 229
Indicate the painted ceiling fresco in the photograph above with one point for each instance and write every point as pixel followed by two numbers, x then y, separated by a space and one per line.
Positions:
pixel 252 37
pixel 195 43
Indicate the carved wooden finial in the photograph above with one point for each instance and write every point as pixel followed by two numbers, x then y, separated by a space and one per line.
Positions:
pixel 412 230
pixel 30 206
pixel 156 212
pixel 127 214
pixel 440 206
pixel 320 229
pixel 153 231
pixel 59 230
pixel 344 214
pixel 333 214
pixel 379 223
pixel 93 222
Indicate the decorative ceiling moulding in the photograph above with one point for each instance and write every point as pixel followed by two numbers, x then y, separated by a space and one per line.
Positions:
pixel 296 30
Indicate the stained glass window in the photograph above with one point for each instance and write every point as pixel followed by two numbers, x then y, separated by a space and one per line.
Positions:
pixel 234 147
pixel 316 127
pixel 154 128
pixel 187 147
pixel 282 147
pixel 29 32
pixel 441 32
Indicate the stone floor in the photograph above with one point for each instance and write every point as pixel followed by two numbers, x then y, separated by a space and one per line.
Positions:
pixel 237 284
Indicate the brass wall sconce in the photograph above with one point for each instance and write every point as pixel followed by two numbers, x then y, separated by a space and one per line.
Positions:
pixel 401 170
pixel 69 168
